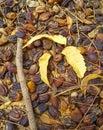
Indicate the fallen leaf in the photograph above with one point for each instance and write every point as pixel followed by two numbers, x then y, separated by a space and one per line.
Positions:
pixel 63 106
pixel 32 3
pixel 69 22
pixel 56 38
pixel 55 74
pixel 6 104
pixel 29 27
pixel 86 21
pixel 75 59
pixel 48 120
pixel 93 33
pixel 43 63
pixel 82 49
pixel 85 80
pixel 9 103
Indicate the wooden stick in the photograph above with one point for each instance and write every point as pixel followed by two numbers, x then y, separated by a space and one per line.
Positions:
pixel 24 89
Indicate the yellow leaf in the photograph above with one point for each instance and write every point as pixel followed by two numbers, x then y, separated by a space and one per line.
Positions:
pixel 6 104
pixel 43 63
pixel 85 80
pixel 69 22
pixel 56 38
pixel 48 120
pixel 55 74
pixel 75 59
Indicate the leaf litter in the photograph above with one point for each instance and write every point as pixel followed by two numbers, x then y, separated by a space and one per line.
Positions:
pixel 62 30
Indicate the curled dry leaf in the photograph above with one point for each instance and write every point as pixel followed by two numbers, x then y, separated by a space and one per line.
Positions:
pixel 48 120
pixel 85 80
pixel 43 63
pixel 56 38
pixel 75 59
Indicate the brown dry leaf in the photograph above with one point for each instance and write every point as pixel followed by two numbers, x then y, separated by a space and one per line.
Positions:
pixel 51 1
pixel 43 63
pixel 100 36
pixel 69 22
pixel 61 22
pixel 48 120
pixel 44 16
pixel 101 127
pixel 85 80
pixel 56 38
pixel 29 27
pixel 75 59
pixel 40 9
pixel 63 106
pixel 82 49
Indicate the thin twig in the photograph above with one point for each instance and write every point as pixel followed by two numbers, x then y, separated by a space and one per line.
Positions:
pixel 25 93
pixel 78 33
pixel 67 90
pixel 87 111
pixel 92 43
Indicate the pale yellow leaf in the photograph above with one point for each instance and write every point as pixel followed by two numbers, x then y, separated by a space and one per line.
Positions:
pixel 86 21
pixel 9 103
pixel 85 80
pixel 6 104
pixel 43 64
pixel 93 33
pixel 75 59
pixel 55 74
pixel 69 22
pixel 56 38
pixel 48 120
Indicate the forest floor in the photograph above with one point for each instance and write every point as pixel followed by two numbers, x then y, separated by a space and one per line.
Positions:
pixel 72 101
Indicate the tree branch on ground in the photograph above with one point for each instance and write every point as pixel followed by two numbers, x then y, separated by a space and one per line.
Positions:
pixel 24 89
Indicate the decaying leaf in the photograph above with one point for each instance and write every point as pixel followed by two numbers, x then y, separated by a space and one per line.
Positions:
pixel 75 59
pixel 56 38
pixel 85 80
pixel 43 63
pixel 64 110
pixel 48 120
